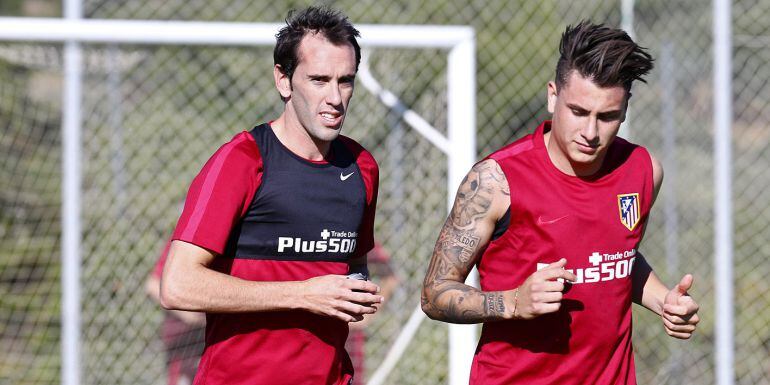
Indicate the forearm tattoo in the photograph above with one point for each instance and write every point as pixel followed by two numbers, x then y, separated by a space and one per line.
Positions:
pixel 459 245
pixel 493 303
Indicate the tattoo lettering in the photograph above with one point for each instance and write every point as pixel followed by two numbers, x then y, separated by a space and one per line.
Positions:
pixel 459 245
pixel 494 304
pixel 468 239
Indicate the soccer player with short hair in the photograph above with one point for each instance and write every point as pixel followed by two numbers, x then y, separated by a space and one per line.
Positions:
pixel 553 222
pixel 274 221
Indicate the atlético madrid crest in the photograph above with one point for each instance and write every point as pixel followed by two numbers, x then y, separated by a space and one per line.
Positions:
pixel 628 204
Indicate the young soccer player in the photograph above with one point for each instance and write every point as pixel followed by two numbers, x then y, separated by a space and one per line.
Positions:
pixel 553 221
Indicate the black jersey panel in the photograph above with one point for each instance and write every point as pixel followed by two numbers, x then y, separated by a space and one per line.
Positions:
pixel 302 210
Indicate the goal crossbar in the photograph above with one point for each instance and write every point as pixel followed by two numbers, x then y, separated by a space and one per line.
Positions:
pixel 213 33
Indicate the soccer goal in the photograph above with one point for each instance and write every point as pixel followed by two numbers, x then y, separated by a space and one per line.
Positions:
pixel 117 116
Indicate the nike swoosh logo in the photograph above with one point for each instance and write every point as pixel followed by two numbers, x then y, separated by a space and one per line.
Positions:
pixel 541 221
pixel 345 177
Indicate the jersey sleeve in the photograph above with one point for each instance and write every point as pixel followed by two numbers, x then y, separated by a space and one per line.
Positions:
pixel 220 194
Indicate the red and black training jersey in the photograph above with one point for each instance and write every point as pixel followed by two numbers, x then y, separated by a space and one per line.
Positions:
pixel 271 215
pixel 595 223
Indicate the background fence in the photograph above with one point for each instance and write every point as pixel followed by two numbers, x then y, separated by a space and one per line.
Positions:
pixel 152 115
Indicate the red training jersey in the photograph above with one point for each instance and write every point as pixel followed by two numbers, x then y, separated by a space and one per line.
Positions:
pixel 270 215
pixel 596 223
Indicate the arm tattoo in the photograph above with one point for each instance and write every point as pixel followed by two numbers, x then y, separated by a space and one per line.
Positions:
pixel 493 303
pixel 459 245
pixel 474 197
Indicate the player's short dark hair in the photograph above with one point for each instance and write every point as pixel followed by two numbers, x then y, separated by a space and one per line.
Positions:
pixel 606 56
pixel 330 23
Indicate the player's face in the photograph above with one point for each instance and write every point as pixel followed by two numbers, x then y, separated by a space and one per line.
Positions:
pixel 586 119
pixel 320 89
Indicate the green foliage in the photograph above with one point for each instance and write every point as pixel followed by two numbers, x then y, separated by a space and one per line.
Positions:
pixel 11 7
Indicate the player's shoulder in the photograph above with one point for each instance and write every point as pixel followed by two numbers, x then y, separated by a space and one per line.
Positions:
pixel 489 171
pixel 625 155
pixel 623 149
pixel 516 149
pixel 352 145
pixel 237 157
pixel 242 147
pixel 641 154
pixel 362 155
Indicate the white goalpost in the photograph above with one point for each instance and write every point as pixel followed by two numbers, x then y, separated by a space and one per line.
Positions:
pixel 458 144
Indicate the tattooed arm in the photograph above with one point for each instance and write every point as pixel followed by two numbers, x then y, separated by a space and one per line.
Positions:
pixel 482 199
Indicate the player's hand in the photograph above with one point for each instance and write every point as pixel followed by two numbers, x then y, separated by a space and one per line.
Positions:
pixel 680 311
pixel 542 292
pixel 339 297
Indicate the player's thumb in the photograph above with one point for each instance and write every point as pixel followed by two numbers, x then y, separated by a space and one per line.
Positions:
pixel 684 284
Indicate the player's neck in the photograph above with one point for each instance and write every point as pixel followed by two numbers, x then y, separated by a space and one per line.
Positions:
pixel 291 134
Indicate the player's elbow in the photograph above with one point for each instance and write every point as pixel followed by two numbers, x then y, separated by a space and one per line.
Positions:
pixel 426 303
pixel 171 294
pixel 167 297
pixel 427 308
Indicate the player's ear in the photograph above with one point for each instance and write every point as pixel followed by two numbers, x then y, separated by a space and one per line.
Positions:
pixel 552 93
pixel 282 82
